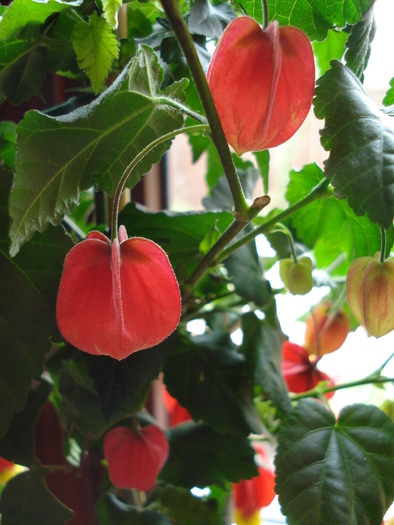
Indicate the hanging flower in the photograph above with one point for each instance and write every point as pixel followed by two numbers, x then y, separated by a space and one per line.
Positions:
pixel 177 413
pixel 117 298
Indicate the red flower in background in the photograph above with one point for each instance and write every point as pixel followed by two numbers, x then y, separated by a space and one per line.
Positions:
pixel 251 495
pixel 177 413
pixel 299 371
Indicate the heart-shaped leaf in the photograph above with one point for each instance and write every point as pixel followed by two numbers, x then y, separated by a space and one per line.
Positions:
pixel 360 139
pixel 335 471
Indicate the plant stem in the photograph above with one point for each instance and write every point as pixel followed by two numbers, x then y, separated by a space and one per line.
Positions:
pixel 382 245
pixel 317 392
pixel 265 14
pixel 228 235
pixel 135 161
pixel 183 109
pixel 185 40
pixel 319 191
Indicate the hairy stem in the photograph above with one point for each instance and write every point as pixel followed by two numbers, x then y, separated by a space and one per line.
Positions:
pixel 383 245
pixel 185 40
pixel 135 161
pixel 317 392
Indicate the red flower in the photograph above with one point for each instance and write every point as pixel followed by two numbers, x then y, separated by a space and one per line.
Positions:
pixel 115 299
pixel 299 371
pixel 251 495
pixel 135 459
pixel 262 83
pixel 176 412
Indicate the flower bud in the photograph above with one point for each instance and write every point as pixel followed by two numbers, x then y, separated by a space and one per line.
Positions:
pixel 115 299
pixel 325 331
pixel 297 276
pixel 262 83
pixel 135 459
pixel 370 294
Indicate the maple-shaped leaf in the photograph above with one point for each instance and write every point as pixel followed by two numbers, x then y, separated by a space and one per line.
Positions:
pixel 360 139
pixel 96 46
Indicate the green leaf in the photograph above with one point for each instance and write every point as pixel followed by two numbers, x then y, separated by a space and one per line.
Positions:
pixel 111 8
pixel 18 444
pixel 26 500
pixel 122 386
pixel 360 139
pixel 22 69
pixel 200 457
pixel 111 510
pixel 59 157
pixel 253 8
pixel 332 48
pixel 262 346
pixel 209 20
pixel 96 47
pixel 185 509
pixel 329 225
pixel 263 163
pixel 359 44
pixel 389 98
pixel 208 377
pixel 315 17
pixel 22 13
pixel 29 284
pixel 7 142
pixel 179 234
pixel 330 471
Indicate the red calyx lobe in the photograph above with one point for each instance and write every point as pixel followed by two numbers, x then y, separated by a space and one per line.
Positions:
pixel 262 83
pixel 135 459
pixel 115 299
pixel 299 372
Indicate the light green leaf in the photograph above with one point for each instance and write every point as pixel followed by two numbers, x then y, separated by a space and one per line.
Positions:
pixel 253 8
pixel 329 225
pixel 59 157
pixel 315 17
pixel 21 13
pixel 389 98
pixel 111 8
pixel 332 48
pixel 360 139
pixel 335 471
pixel 96 47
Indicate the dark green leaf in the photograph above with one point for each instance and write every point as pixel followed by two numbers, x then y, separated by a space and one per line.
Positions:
pixel 26 500
pixel 185 509
pixel 18 444
pixel 209 20
pixel 200 457
pixel 111 510
pixel 316 17
pixel 7 142
pixel 263 163
pixel 329 225
pixel 22 69
pixel 331 471
pixel 245 273
pixel 29 284
pixel 59 157
pixel 359 44
pixel 179 234
pixel 360 139
pixel 262 347
pixel 122 386
pixel 208 377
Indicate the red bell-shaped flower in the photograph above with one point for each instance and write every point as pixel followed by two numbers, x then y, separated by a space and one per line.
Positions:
pixel 299 372
pixel 262 83
pixel 115 299
pixel 135 459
